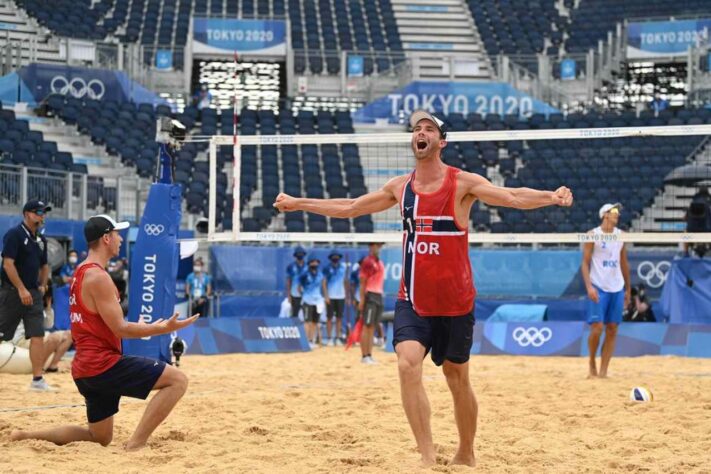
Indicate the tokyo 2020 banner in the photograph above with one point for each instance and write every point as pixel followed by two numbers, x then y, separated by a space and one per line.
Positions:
pixel 660 39
pixel 450 97
pixel 226 36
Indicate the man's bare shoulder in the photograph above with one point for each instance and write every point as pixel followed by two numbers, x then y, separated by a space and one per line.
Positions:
pixel 467 177
pixel 397 181
pixel 96 278
pixel 394 185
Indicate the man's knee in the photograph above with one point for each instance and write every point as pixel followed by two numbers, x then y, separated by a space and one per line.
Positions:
pixel 104 439
pixel 179 380
pixel 409 369
pixel 102 432
pixel 596 329
pixel 409 360
pixel 456 374
pixel 611 329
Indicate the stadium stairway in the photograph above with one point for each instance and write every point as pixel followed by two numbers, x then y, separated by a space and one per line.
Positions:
pixel 430 30
pixel 34 40
pixel 68 139
pixel 668 211
pixel 97 160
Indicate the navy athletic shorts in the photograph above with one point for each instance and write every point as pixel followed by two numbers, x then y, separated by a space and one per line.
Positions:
pixel 448 337
pixel 131 376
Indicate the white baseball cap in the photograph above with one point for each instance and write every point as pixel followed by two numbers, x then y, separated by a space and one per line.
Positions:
pixel 423 115
pixel 608 207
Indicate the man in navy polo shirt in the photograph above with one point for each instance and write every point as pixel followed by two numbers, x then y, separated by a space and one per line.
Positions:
pixel 24 282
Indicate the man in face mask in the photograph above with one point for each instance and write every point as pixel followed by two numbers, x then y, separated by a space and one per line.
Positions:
pixel 310 283
pixel 334 291
pixel 293 272
pixel 198 287
pixel 24 282
pixel 67 271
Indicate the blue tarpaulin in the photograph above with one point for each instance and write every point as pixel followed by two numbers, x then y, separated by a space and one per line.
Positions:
pixel 687 293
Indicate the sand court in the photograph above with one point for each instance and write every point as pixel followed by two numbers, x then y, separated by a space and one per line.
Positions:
pixel 324 411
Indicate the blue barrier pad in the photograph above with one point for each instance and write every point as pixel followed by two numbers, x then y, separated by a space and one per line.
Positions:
pixel 519 312
pixel 257 335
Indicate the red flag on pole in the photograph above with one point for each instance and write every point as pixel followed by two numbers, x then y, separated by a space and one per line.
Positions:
pixel 354 336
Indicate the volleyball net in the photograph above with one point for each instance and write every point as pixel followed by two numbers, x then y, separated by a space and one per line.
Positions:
pixel 654 172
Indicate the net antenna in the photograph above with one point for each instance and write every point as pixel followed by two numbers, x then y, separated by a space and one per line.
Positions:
pixel 235 235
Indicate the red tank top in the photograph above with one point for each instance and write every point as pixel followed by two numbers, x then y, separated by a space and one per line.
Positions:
pixel 436 273
pixel 97 347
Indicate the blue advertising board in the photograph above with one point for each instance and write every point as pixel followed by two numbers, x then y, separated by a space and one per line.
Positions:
pixel 448 97
pixel 228 335
pixel 258 287
pixel 355 65
pixel 659 39
pixel 227 36
pixel 35 82
pixel 567 70
pixel 164 59
pixel 569 338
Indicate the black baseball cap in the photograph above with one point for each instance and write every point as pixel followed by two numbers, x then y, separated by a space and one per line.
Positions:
pixel 419 115
pixel 34 205
pixel 100 225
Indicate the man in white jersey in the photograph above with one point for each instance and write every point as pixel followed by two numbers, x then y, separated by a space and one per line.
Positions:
pixel 607 279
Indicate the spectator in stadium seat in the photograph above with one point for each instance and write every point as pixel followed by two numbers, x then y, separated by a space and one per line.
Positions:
pixel 310 283
pixel 606 274
pixel 203 98
pixel 334 292
pixel 293 272
pixel 658 104
pixel 198 288
pixel 119 275
pixel 640 309
pixel 67 271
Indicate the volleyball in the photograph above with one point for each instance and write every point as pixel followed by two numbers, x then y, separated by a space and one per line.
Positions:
pixel 641 394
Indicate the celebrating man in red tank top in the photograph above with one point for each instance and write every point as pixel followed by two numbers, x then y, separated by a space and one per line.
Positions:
pixel 434 311
pixel 101 373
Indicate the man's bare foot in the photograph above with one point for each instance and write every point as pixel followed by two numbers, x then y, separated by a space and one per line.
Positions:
pixel 602 376
pixel 17 435
pixel 427 461
pixel 592 376
pixel 463 460
pixel 133 446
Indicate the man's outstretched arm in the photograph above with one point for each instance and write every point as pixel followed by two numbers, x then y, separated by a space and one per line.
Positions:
pixel 101 290
pixel 369 203
pixel 520 198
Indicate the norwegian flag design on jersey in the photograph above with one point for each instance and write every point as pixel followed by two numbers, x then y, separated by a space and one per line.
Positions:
pixel 424 225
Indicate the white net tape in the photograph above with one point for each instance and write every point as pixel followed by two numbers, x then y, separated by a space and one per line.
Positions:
pixel 384 139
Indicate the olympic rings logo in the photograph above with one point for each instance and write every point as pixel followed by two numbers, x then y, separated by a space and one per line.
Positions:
pixel 532 336
pixel 78 87
pixel 653 275
pixel 153 229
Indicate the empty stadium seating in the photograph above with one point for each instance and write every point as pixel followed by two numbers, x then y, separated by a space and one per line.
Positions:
pixel 629 170
pixel 326 28
pixel 22 147
pixel 593 19
pixel 517 26
pixel 128 130
pixel 320 29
